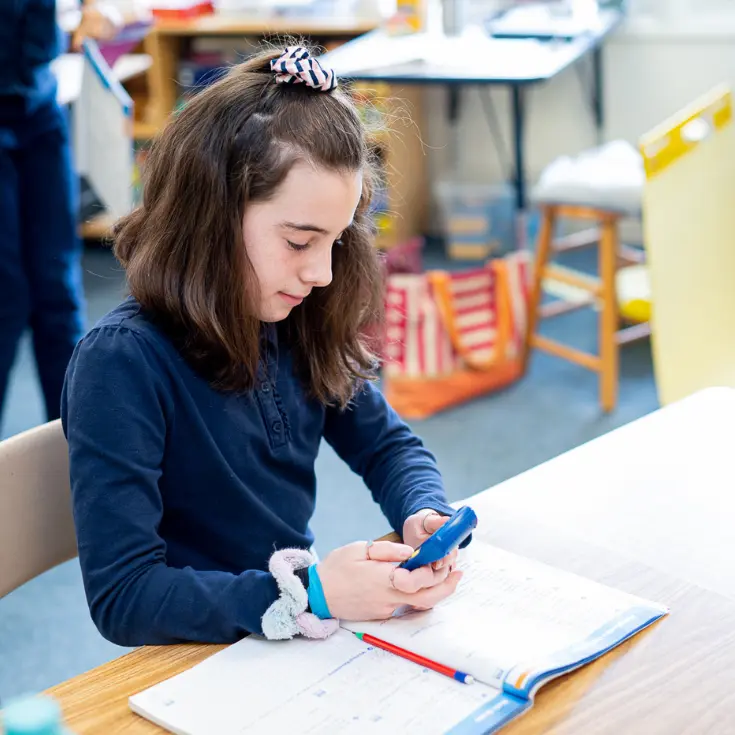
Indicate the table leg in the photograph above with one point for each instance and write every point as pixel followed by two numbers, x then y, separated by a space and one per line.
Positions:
pixel 519 178
pixel 453 113
pixel 597 93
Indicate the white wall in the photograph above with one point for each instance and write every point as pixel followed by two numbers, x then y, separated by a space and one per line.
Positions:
pixel 651 71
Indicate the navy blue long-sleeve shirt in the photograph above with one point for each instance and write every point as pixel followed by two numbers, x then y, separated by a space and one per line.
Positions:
pixel 181 493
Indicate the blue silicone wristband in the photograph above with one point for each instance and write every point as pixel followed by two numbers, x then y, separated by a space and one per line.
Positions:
pixel 317 601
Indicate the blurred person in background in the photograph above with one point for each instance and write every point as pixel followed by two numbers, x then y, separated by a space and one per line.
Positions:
pixel 40 251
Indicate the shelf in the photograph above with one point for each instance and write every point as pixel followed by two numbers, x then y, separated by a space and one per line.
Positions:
pixel 129 66
pixel 244 25
pixel 144 131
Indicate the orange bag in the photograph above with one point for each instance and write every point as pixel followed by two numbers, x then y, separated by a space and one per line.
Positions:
pixel 453 336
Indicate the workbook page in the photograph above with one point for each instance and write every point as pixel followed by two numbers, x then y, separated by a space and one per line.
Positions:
pixel 339 685
pixel 506 610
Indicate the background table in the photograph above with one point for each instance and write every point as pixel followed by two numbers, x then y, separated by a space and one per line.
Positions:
pixel 475 58
pixel 649 509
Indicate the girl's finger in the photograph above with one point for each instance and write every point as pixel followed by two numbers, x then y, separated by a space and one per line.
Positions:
pixel 433 521
pixel 448 560
pixel 411 582
pixel 430 596
pixel 419 579
pixel 385 551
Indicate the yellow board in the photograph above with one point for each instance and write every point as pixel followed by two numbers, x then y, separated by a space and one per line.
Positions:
pixel 689 233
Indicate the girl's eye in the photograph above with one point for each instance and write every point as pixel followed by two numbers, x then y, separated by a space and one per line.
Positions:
pixel 297 246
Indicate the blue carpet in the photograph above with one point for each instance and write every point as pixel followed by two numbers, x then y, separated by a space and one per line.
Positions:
pixel 45 632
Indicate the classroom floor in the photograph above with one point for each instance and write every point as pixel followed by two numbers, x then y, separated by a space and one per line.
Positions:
pixel 46 635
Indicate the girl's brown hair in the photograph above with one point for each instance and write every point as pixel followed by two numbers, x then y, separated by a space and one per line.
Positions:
pixel 183 249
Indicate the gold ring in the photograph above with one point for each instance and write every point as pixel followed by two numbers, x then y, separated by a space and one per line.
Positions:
pixel 368 544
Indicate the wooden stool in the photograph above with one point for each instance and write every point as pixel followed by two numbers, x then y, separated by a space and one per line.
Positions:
pixel 601 291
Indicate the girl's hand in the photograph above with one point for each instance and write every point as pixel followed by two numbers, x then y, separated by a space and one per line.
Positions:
pixel 418 527
pixel 361 581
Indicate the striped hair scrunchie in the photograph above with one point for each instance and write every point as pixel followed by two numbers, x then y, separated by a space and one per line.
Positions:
pixel 297 66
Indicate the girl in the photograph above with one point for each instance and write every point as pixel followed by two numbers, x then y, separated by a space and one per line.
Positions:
pixel 195 409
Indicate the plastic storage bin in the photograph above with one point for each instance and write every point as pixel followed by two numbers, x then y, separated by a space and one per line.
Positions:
pixel 477 219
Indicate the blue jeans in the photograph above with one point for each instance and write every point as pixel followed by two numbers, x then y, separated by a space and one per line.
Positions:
pixel 40 251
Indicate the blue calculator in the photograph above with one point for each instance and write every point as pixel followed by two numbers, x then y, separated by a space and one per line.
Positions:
pixel 444 540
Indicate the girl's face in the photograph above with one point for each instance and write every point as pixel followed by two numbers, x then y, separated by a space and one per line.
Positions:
pixel 289 238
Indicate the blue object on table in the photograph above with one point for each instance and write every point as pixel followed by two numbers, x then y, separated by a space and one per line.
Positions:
pixel 444 540
pixel 37 715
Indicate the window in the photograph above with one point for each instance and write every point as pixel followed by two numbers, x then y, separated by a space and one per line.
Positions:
pixel 681 18
pixel 682 10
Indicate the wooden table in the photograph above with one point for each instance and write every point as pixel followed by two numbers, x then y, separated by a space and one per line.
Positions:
pixel 648 508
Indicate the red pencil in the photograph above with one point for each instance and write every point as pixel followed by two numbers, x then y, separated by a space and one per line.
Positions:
pixel 420 660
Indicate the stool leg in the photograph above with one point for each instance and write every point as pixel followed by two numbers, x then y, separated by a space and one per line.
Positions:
pixel 543 246
pixel 608 316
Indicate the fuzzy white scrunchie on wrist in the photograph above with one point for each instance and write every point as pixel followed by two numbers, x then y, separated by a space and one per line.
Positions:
pixel 287 616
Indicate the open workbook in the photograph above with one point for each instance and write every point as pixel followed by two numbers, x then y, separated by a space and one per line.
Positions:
pixel 513 624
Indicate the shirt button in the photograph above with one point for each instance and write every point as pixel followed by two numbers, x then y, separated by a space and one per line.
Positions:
pixel 277 427
pixel 266 388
